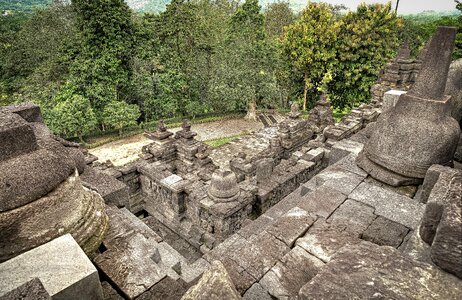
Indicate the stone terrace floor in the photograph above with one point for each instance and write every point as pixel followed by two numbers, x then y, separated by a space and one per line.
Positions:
pixel 281 251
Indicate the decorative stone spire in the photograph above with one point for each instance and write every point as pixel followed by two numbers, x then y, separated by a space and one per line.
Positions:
pixel 431 82
pixel 419 131
pixel 223 186
pixel 161 134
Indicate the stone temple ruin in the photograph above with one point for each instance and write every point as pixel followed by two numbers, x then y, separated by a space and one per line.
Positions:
pixel 369 207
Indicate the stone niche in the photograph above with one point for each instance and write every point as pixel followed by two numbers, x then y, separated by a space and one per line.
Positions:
pixel 41 195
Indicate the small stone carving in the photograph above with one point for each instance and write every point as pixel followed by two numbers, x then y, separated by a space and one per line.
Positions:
pixel 321 114
pixel 223 186
pixel 294 111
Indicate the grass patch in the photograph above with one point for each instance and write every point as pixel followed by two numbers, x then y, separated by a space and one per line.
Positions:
pixel 215 143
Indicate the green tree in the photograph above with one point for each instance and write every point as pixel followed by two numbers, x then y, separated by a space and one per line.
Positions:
pixel 119 114
pixel 309 44
pixel 72 116
pixel 101 67
pixel 367 40
pixel 244 71
pixel 277 16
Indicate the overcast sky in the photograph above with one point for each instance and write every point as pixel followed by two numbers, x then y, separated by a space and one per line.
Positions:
pixel 405 6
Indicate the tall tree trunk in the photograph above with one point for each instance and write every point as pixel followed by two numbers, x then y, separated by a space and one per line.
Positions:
pixel 305 92
pixel 396 8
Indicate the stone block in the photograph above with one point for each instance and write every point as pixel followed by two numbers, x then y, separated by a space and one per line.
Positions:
pixel 314 155
pixel 167 288
pixel 289 227
pixel 335 178
pixel 390 205
pixel 28 111
pixel 113 191
pixel 416 248
pixel 62 267
pixel 321 202
pixel 354 216
pixel 442 222
pixel 296 268
pixel 256 226
pixel 348 163
pixel 369 271
pixel 215 284
pixel 431 177
pixel 261 254
pixel 344 148
pixel 17 136
pixel 31 290
pixel 129 266
pixel 385 232
pixel 323 240
pixel 390 98
pixel 257 292
pixel 239 276
pixel 109 293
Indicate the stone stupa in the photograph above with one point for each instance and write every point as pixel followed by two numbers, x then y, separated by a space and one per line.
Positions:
pixel 419 131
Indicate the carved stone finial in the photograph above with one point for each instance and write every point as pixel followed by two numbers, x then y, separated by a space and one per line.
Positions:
pixel 186 126
pixel 294 111
pixel 161 126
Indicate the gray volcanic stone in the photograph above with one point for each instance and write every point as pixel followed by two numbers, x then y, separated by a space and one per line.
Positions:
pixel 432 176
pixel 454 88
pixel 436 64
pixel 17 136
pixel 28 111
pixel 291 225
pixel 69 208
pixel 30 176
pixel 223 186
pixel 109 293
pixel 344 148
pixel 257 292
pixel 390 98
pixel 354 216
pixel 62 267
pixel 215 284
pixel 335 178
pixel 113 191
pixel 31 290
pixel 321 202
pixel 167 288
pixel 296 268
pixel 369 271
pixel 419 131
pixel 390 205
pixel 323 240
pixel 385 232
pixel 442 222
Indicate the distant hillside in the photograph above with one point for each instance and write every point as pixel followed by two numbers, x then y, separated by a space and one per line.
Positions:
pixel 21 5
pixel 137 5
pixel 159 6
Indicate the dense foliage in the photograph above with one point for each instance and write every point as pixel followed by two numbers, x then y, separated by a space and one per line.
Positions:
pixel 97 64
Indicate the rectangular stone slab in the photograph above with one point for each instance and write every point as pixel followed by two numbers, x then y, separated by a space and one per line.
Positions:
pixel 62 267
pixel 369 271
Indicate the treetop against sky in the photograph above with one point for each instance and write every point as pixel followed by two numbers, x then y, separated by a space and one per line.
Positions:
pixel 405 6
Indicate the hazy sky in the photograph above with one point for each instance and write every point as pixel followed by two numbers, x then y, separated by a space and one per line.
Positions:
pixel 405 6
